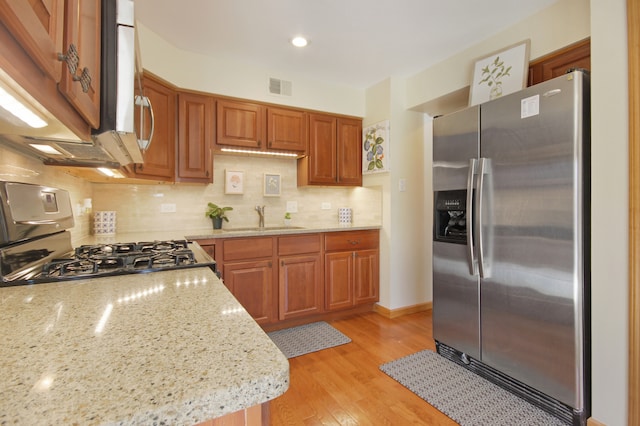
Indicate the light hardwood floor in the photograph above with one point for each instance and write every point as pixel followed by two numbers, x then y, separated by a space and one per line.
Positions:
pixel 344 386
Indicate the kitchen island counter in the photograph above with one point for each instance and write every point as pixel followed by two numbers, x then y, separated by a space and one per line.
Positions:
pixel 170 347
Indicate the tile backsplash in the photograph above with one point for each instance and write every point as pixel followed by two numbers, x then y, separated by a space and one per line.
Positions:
pixel 174 207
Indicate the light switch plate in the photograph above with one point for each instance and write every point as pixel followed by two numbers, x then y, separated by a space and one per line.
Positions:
pixel 326 206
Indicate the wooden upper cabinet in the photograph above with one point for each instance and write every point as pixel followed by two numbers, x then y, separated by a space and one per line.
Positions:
pixel 195 137
pixel 576 55
pixel 38 27
pixel 82 30
pixel 159 159
pixel 349 152
pixel 287 129
pixel 322 154
pixel 334 155
pixel 240 124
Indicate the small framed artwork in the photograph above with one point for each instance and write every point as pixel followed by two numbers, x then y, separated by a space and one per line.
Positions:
pixel 375 148
pixel 233 182
pixel 500 73
pixel 271 185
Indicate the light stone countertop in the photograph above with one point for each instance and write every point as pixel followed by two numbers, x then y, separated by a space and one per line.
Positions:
pixel 170 347
pixel 209 233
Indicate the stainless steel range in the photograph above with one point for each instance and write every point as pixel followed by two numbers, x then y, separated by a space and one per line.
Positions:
pixel 35 244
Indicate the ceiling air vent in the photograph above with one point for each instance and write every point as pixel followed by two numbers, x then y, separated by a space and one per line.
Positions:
pixel 280 87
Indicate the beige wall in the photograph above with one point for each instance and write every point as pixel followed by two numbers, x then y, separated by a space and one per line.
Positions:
pixel 225 77
pixel 609 265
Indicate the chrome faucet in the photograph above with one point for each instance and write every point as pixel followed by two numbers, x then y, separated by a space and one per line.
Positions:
pixel 260 210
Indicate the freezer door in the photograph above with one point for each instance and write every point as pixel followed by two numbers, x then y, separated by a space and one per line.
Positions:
pixel 456 313
pixel 532 224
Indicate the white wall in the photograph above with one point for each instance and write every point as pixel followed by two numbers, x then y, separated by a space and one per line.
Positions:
pixel 563 23
pixel 193 71
pixel 609 266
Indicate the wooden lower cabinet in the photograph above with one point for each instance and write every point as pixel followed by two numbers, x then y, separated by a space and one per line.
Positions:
pixel 352 278
pixel 300 285
pixel 252 284
pixel 352 265
pixel 289 278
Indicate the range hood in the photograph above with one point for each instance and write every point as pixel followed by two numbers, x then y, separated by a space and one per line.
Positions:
pixel 115 143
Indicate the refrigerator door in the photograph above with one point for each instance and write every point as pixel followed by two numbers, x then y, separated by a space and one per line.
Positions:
pixel 456 312
pixel 532 219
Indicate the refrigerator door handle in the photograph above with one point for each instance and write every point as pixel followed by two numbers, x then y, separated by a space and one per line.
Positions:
pixel 472 261
pixel 484 169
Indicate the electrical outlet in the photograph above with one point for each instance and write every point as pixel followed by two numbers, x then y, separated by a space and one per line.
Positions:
pixel 402 185
pixel 326 206
pixel 167 208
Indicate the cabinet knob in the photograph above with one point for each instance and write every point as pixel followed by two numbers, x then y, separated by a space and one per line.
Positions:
pixel 72 59
pixel 354 242
pixel 84 79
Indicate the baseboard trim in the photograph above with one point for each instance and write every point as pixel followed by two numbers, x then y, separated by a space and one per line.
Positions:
pixel 394 313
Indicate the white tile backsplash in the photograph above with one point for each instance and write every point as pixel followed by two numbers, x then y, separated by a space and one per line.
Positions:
pixel 139 207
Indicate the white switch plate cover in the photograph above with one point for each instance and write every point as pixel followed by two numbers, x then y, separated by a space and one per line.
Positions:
pixel 402 185
pixel 326 206
pixel 167 208
pixel 292 206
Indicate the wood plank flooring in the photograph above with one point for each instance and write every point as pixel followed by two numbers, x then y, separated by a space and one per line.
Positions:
pixel 344 386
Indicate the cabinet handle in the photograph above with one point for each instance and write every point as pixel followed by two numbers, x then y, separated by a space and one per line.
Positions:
pixel 354 242
pixel 84 79
pixel 282 263
pixel 71 58
pixel 270 265
pixel 259 144
pixel 144 102
pixel 270 143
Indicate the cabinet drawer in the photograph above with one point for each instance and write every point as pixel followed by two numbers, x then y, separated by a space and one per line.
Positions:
pixel 351 240
pixel 298 244
pixel 247 248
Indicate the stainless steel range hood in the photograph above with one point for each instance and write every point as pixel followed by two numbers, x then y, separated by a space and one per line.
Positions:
pixel 114 143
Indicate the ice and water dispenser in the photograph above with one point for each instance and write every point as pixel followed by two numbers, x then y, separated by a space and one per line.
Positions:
pixel 450 216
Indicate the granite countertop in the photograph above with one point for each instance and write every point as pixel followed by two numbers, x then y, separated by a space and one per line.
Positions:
pixel 230 232
pixel 226 232
pixel 170 347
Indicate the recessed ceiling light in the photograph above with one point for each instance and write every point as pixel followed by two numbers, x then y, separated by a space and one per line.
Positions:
pixel 299 41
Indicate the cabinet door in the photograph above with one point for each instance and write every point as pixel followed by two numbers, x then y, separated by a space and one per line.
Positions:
pixel 322 154
pixel 366 276
pixel 240 124
pixel 82 29
pixel 195 138
pixel 251 283
pixel 300 287
pixel 38 27
pixel 159 159
pixel 577 55
pixel 339 280
pixel 287 129
pixel 349 152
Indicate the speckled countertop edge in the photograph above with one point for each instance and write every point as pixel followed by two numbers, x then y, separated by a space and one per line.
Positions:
pixel 172 346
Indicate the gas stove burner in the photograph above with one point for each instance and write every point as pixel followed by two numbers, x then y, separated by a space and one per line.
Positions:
pixel 104 259
pixel 70 268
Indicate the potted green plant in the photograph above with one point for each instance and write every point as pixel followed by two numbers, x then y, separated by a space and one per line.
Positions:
pixel 287 219
pixel 217 214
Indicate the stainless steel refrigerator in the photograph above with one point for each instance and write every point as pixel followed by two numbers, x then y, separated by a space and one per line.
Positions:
pixel 511 249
